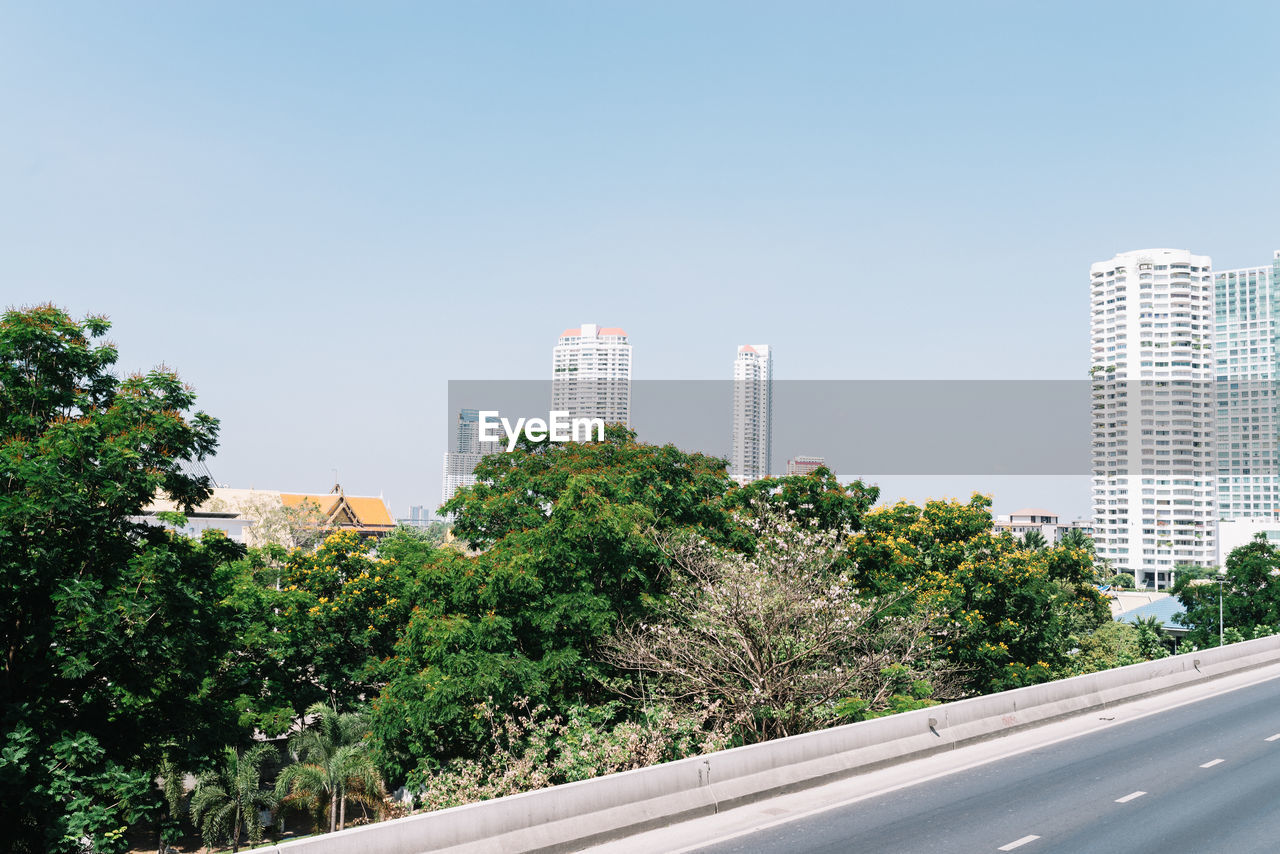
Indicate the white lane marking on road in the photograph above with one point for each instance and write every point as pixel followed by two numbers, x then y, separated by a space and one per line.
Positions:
pixel 1017 843
pixel 1212 762
pixel 1275 737
pixel 1129 797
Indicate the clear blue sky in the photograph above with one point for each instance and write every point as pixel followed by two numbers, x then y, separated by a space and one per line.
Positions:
pixel 320 213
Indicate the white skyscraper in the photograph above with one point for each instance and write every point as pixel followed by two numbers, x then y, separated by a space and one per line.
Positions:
pixel 1153 411
pixel 591 373
pixel 752 413
pixel 1246 308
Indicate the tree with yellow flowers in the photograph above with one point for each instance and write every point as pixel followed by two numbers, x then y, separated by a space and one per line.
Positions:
pixel 1011 611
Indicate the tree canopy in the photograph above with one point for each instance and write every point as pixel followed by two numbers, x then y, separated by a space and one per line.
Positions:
pixel 1012 610
pixel 109 625
pixel 1250 595
pixel 568 549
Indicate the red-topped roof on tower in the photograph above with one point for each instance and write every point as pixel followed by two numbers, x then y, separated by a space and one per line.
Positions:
pixel 746 348
pixel 606 330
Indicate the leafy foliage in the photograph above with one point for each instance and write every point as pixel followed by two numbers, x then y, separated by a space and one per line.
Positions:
pixel 342 610
pixel 301 526
pixel 816 500
pixel 1075 538
pixel 533 749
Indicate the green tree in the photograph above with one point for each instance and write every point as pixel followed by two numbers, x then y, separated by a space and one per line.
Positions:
pixel 532 750
pixel 432 532
pixel 1151 638
pixel 816 499
pixel 1113 644
pixel 1015 613
pixel 108 626
pixel 1192 571
pixel 567 549
pixel 263 673
pixel 227 800
pixel 172 780
pixel 411 546
pixel 332 764
pixel 1250 594
pixel 316 625
pixel 341 609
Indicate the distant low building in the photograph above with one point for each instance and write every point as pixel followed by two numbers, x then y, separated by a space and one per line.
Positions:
pixel 230 522
pixel 256 517
pixel 1044 522
pixel 419 517
pixel 805 465
pixel 367 515
pixel 1166 609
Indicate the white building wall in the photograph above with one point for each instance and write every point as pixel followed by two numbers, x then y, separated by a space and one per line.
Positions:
pixel 1238 532
pixel 1153 411
pixel 459 471
pixel 234 528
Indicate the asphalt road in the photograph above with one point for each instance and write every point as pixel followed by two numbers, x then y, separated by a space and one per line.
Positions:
pixel 1201 778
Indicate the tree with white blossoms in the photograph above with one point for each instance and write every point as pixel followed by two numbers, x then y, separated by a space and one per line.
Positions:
pixel 776 640
pixel 303 526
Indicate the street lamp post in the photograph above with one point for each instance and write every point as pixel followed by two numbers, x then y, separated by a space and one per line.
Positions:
pixel 1222 576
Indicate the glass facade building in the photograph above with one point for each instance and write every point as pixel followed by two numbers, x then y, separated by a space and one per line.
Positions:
pixel 1245 350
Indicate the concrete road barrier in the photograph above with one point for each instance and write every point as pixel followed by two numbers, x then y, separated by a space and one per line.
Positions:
pixel 572 816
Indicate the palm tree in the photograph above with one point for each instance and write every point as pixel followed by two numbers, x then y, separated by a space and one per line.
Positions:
pixel 172 779
pixel 332 764
pixel 1076 539
pixel 1033 540
pixel 227 800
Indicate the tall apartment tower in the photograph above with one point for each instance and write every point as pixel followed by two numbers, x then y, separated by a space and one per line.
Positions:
pixel 1153 412
pixel 591 373
pixel 1246 308
pixel 752 413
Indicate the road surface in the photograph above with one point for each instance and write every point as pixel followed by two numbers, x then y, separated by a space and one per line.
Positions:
pixel 1202 777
